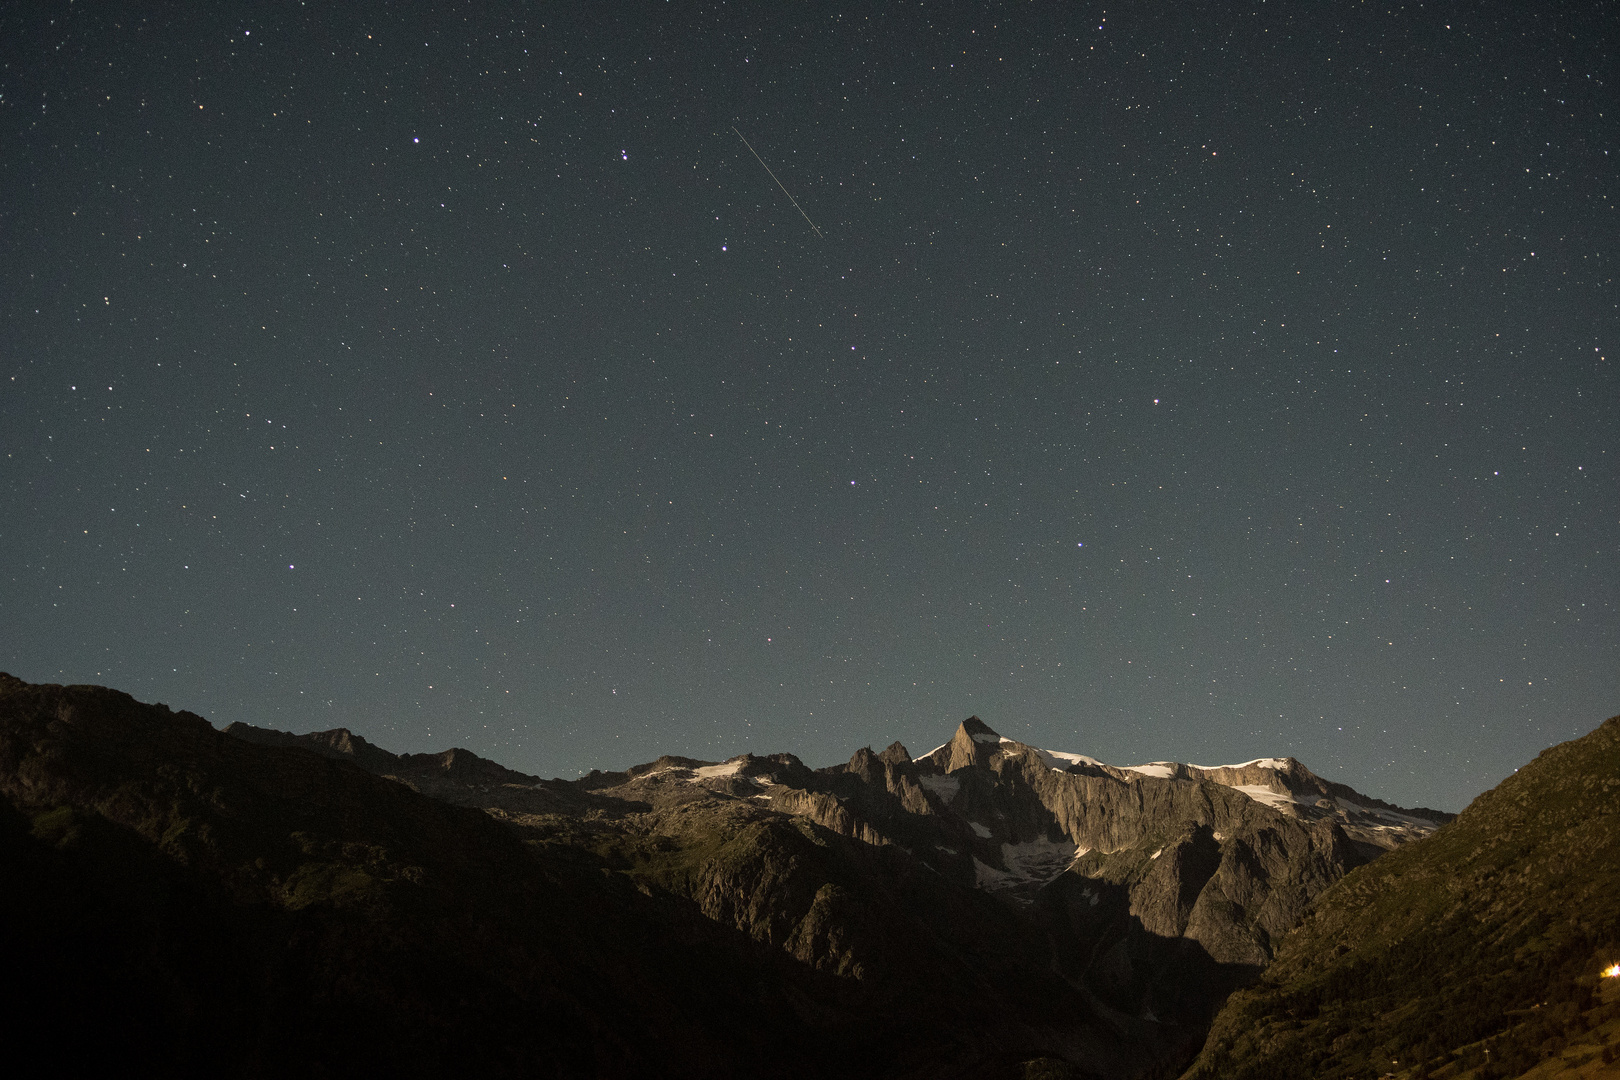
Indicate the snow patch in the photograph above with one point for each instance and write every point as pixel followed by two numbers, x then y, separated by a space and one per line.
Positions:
pixel 1058 760
pixel 1278 763
pixel 1164 770
pixel 1278 800
pixel 1387 815
pixel 983 738
pixel 988 877
pixel 712 772
pixel 1033 863
pixel 980 831
pixel 1156 854
pixel 945 787
pixel 1039 860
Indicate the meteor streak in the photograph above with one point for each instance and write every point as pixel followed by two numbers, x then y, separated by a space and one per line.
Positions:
pixel 779 183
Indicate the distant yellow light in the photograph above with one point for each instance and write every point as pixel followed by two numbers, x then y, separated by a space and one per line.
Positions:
pixel 1612 971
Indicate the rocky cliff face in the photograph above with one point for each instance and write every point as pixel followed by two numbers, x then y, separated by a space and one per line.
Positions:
pixel 1160 887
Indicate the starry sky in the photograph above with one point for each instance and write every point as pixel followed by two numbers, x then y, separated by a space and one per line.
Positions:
pixel 1193 382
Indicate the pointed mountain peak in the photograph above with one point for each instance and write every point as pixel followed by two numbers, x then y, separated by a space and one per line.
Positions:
pixel 979 731
pixel 972 744
pixel 871 766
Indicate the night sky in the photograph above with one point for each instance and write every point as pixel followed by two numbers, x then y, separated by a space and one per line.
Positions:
pixel 1170 381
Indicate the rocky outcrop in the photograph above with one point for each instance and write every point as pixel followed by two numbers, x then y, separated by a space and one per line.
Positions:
pixel 340 744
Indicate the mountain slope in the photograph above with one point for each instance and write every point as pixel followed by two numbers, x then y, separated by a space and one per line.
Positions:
pixel 1475 952
pixel 211 906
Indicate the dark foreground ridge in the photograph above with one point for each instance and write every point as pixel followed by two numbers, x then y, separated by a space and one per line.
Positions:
pixel 250 902
pixel 1477 953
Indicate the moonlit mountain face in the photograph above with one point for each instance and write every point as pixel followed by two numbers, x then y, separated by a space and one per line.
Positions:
pixel 578 387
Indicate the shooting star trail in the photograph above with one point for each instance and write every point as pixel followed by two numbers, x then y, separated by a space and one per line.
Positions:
pixel 779 183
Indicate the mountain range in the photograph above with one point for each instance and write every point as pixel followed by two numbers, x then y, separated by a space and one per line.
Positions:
pixel 1158 888
pixel 253 902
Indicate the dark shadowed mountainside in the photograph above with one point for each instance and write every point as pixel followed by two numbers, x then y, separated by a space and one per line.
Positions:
pixel 1477 952
pixel 209 906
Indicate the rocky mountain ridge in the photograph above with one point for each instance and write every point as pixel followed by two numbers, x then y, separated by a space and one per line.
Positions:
pixel 969 912
pixel 1161 887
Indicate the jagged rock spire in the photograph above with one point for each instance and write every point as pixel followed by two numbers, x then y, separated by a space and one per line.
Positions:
pixel 972 744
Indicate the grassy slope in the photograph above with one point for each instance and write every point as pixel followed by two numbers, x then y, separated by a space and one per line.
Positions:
pixel 1487 936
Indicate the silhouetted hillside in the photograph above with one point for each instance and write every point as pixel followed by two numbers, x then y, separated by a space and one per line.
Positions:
pixel 1475 952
